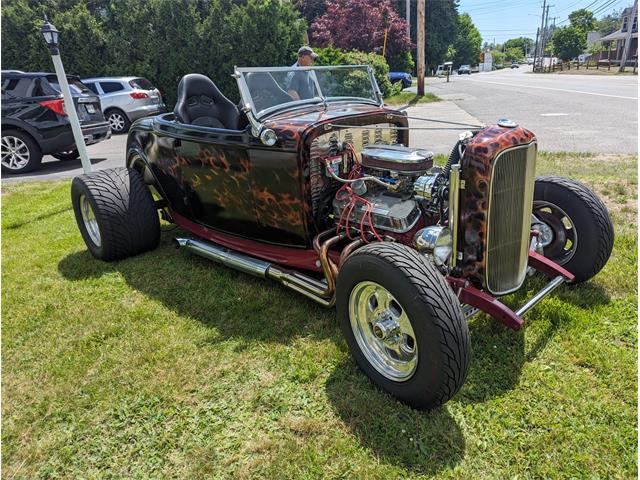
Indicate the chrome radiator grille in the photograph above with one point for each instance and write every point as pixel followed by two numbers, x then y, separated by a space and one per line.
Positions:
pixel 509 218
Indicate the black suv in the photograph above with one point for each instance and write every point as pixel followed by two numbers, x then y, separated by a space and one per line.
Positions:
pixel 35 123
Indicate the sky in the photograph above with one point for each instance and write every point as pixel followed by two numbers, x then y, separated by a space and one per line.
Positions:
pixel 505 19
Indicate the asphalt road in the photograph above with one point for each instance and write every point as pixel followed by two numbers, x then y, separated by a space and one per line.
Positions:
pixel 578 113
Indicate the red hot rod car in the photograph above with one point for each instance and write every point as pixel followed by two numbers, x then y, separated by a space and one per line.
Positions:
pixel 323 194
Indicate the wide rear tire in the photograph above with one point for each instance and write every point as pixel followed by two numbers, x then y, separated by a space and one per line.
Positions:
pixel 115 213
pixel 403 324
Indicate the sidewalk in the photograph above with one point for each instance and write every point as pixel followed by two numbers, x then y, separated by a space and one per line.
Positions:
pixel 442 140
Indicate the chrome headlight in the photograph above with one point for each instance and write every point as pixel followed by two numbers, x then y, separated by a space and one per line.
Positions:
pixel 434 241
pixel 268 137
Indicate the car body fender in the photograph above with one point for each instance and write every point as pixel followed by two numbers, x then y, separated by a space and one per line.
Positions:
pixel 12 123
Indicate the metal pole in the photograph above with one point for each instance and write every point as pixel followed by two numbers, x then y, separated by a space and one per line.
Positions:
pixel 627 41
pixel 71 112
pixel 420 34
pixel 408 17
pixel 535 50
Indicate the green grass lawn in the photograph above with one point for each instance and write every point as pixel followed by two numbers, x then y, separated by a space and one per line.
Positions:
pixel 167 365
pixel 409 99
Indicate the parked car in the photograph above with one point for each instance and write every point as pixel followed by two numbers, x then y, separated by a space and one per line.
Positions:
pixel 35 122
pixel 403 77
pixel 515 65
pixel 464 69
pixel 125 99
pixel 324 196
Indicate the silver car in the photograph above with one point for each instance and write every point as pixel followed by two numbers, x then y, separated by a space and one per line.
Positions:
pixel 125 99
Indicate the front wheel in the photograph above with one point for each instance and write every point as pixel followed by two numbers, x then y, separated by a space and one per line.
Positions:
pixel 574 224
pixel 403 324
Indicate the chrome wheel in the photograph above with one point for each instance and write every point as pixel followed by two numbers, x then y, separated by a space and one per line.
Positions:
pixel 558 235
pixel 116 121
pixel 89 220
pixel 383 331
pixel 15 153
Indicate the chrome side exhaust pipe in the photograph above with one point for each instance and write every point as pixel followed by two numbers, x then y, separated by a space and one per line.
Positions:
pixel 307 286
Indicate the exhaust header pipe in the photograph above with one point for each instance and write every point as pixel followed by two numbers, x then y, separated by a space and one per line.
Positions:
pixel 308 286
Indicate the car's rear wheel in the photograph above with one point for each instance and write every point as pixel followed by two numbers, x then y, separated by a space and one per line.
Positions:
pixel 575 228
pixel 115 213
pixel 118 120
pixel 69 155
pixel 403 324
pixel 19 152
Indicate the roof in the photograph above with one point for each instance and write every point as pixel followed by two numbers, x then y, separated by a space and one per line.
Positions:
pixel 98 79
pixel 618 35
pixel 19 74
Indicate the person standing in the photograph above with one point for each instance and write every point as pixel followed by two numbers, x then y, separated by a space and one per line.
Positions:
pixel 300 84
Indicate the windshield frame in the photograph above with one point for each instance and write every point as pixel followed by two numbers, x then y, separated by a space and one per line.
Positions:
pixel 247 100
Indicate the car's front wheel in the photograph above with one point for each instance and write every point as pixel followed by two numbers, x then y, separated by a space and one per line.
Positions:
pixel 118 120
pixel 403 324
pixel 575 229
pixel 115 213
pixel 19 152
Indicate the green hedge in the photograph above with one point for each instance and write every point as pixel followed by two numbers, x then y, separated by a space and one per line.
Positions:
pixel 158 39
pixel 336 56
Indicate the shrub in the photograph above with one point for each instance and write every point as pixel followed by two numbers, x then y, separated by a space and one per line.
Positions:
pixel 335 56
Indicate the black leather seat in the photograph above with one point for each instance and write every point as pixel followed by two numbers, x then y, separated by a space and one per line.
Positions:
pixel 265 91
pixel 201 103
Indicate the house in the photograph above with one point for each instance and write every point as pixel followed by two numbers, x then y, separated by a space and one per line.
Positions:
pixel 614 42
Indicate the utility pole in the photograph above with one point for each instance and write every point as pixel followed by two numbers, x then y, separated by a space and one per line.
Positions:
pixel 543 31
pixel 535 50
pixel 539 49
pixel 627 41
pixel 420 34
pixel 408 17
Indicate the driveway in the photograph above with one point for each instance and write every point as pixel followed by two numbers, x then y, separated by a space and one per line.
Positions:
pixel 578 113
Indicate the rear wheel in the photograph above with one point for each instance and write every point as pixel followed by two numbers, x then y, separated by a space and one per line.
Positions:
pixel 19 152
pixel 575 229
pixel 115 213
pixel 118 120
pixel 403 324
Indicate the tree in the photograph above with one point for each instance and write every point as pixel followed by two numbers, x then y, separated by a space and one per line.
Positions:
pixel 497 57
pixel 609 23
pixel 513 54
pixel 583 20
pixel 523 43
pixel 466 47
pixel 158 39
pixel 360 25
pixel 311 9
pixel 440 27
pixel 568 42
pixel 596 48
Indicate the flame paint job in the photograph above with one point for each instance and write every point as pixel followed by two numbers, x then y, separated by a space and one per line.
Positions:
pixel 474 198
pixel 229 181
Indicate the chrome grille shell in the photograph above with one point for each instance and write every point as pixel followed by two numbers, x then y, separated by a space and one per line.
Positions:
pixel 509 218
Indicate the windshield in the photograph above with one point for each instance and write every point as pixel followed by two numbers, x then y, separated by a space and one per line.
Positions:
pixel 270 89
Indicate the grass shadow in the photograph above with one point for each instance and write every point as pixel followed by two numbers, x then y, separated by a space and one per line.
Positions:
pixel 240 306
pixel 499 353
pixel 42 216
pixel 235 304
pixel 423 442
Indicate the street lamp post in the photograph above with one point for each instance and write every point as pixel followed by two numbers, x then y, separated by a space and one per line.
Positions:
pixel 50 34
